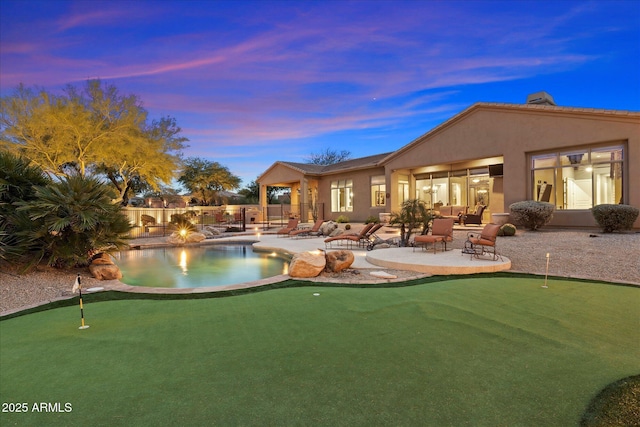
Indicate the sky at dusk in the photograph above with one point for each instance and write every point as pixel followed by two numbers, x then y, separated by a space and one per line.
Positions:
pixel 252 82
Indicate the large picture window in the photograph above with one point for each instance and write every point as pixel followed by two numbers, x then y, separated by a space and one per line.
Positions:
pixel 580 178
pixel 378 191
pixel 342 195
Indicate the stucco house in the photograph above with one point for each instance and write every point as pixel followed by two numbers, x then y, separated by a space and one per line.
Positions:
pixel 489 155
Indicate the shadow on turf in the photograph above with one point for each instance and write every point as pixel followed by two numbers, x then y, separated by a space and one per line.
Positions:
pixel 291 283
pixel 618 404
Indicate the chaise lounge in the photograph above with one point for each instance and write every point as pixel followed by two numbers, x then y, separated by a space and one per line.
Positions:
pixel 350 237
pixel 284 232
pixel 308 232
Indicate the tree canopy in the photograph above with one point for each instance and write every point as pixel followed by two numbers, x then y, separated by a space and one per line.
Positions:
pixel 328 156
pixel 206 179
pixel 94 130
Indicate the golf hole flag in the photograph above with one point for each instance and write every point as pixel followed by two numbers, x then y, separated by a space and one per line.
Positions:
pixel 77 286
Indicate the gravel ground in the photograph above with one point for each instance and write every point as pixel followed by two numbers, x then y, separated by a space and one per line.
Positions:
pixel 581 254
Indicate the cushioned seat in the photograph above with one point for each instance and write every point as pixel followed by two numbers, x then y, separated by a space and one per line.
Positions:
pixel 441 232
pixel 485 243
pixel 350 237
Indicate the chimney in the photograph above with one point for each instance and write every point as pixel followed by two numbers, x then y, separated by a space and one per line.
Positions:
pixel 540 98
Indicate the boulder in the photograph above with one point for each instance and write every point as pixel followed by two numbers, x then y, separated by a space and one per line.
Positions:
pixel 214 231
pixel 336 232
pixel 105 271
pixel 195 237
pixel 338 260
pixel 101 259
pixel 306 264
pixel 175 238
pixel 328 227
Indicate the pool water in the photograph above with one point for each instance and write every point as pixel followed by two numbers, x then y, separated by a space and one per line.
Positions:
pixel 196 267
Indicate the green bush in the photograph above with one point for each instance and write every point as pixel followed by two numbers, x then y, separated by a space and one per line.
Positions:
pixel 342 219
pixel 372 220
pixel 75 218
pixel 507 230
pixel 615 217
pixel 532 214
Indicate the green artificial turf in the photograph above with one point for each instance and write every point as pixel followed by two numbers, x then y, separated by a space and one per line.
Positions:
pixel 481 351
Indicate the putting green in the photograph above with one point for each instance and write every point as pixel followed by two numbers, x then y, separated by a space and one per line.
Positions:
pixel 482 351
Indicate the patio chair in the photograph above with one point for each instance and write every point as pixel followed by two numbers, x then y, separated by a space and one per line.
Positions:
pixel 485 243
pixel 284 232
pixel 441 231
pixel 308 232
pixel 474 218
pixel 350 237
pixel 370 236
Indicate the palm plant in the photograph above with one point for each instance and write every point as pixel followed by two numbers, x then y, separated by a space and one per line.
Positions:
pixel 78 219
pixel 413 214
pixel 17 178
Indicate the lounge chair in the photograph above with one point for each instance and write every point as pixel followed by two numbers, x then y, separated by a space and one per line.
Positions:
pixel 441 231
pixel 474 218
pixel 308 232
pixel 350 237
pixel 284 232
pixel 485 243
pixel 370 236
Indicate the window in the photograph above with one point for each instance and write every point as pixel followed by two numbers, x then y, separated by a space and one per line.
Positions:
pixel 403 188
pixel 378 191
pixel 342 195
pixel 579 179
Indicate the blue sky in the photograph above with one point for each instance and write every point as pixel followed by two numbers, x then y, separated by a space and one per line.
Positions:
pixel 252 82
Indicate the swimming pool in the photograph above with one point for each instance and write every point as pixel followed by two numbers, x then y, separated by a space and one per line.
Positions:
pixel 199 266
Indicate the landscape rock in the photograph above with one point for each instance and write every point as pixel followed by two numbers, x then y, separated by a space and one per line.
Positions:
pixel 195 237
pixel 214 231
pixel 102 259
pixel 175 238
pixel 105 271
pixel 336 232
pixel 338 260
pixel 307 264
pixel 328 227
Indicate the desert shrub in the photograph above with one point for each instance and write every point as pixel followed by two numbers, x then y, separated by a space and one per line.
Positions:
pixel 532 214
pixel 372 220
pixel 74 218
pixel 342 219
pixel 347 227
pixel 507 230
pixel 147 220
pixel 615 217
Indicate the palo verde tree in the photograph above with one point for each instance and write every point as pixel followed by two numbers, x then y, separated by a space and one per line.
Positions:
pixel 205 179
pixel 92 131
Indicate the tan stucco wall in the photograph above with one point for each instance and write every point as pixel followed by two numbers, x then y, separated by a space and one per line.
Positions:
pixel 362 198
pixel 513 134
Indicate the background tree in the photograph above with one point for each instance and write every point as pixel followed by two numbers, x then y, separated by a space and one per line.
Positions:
pixel 91 131
pixel 328 156
pixel 252 193
pixel 206 178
